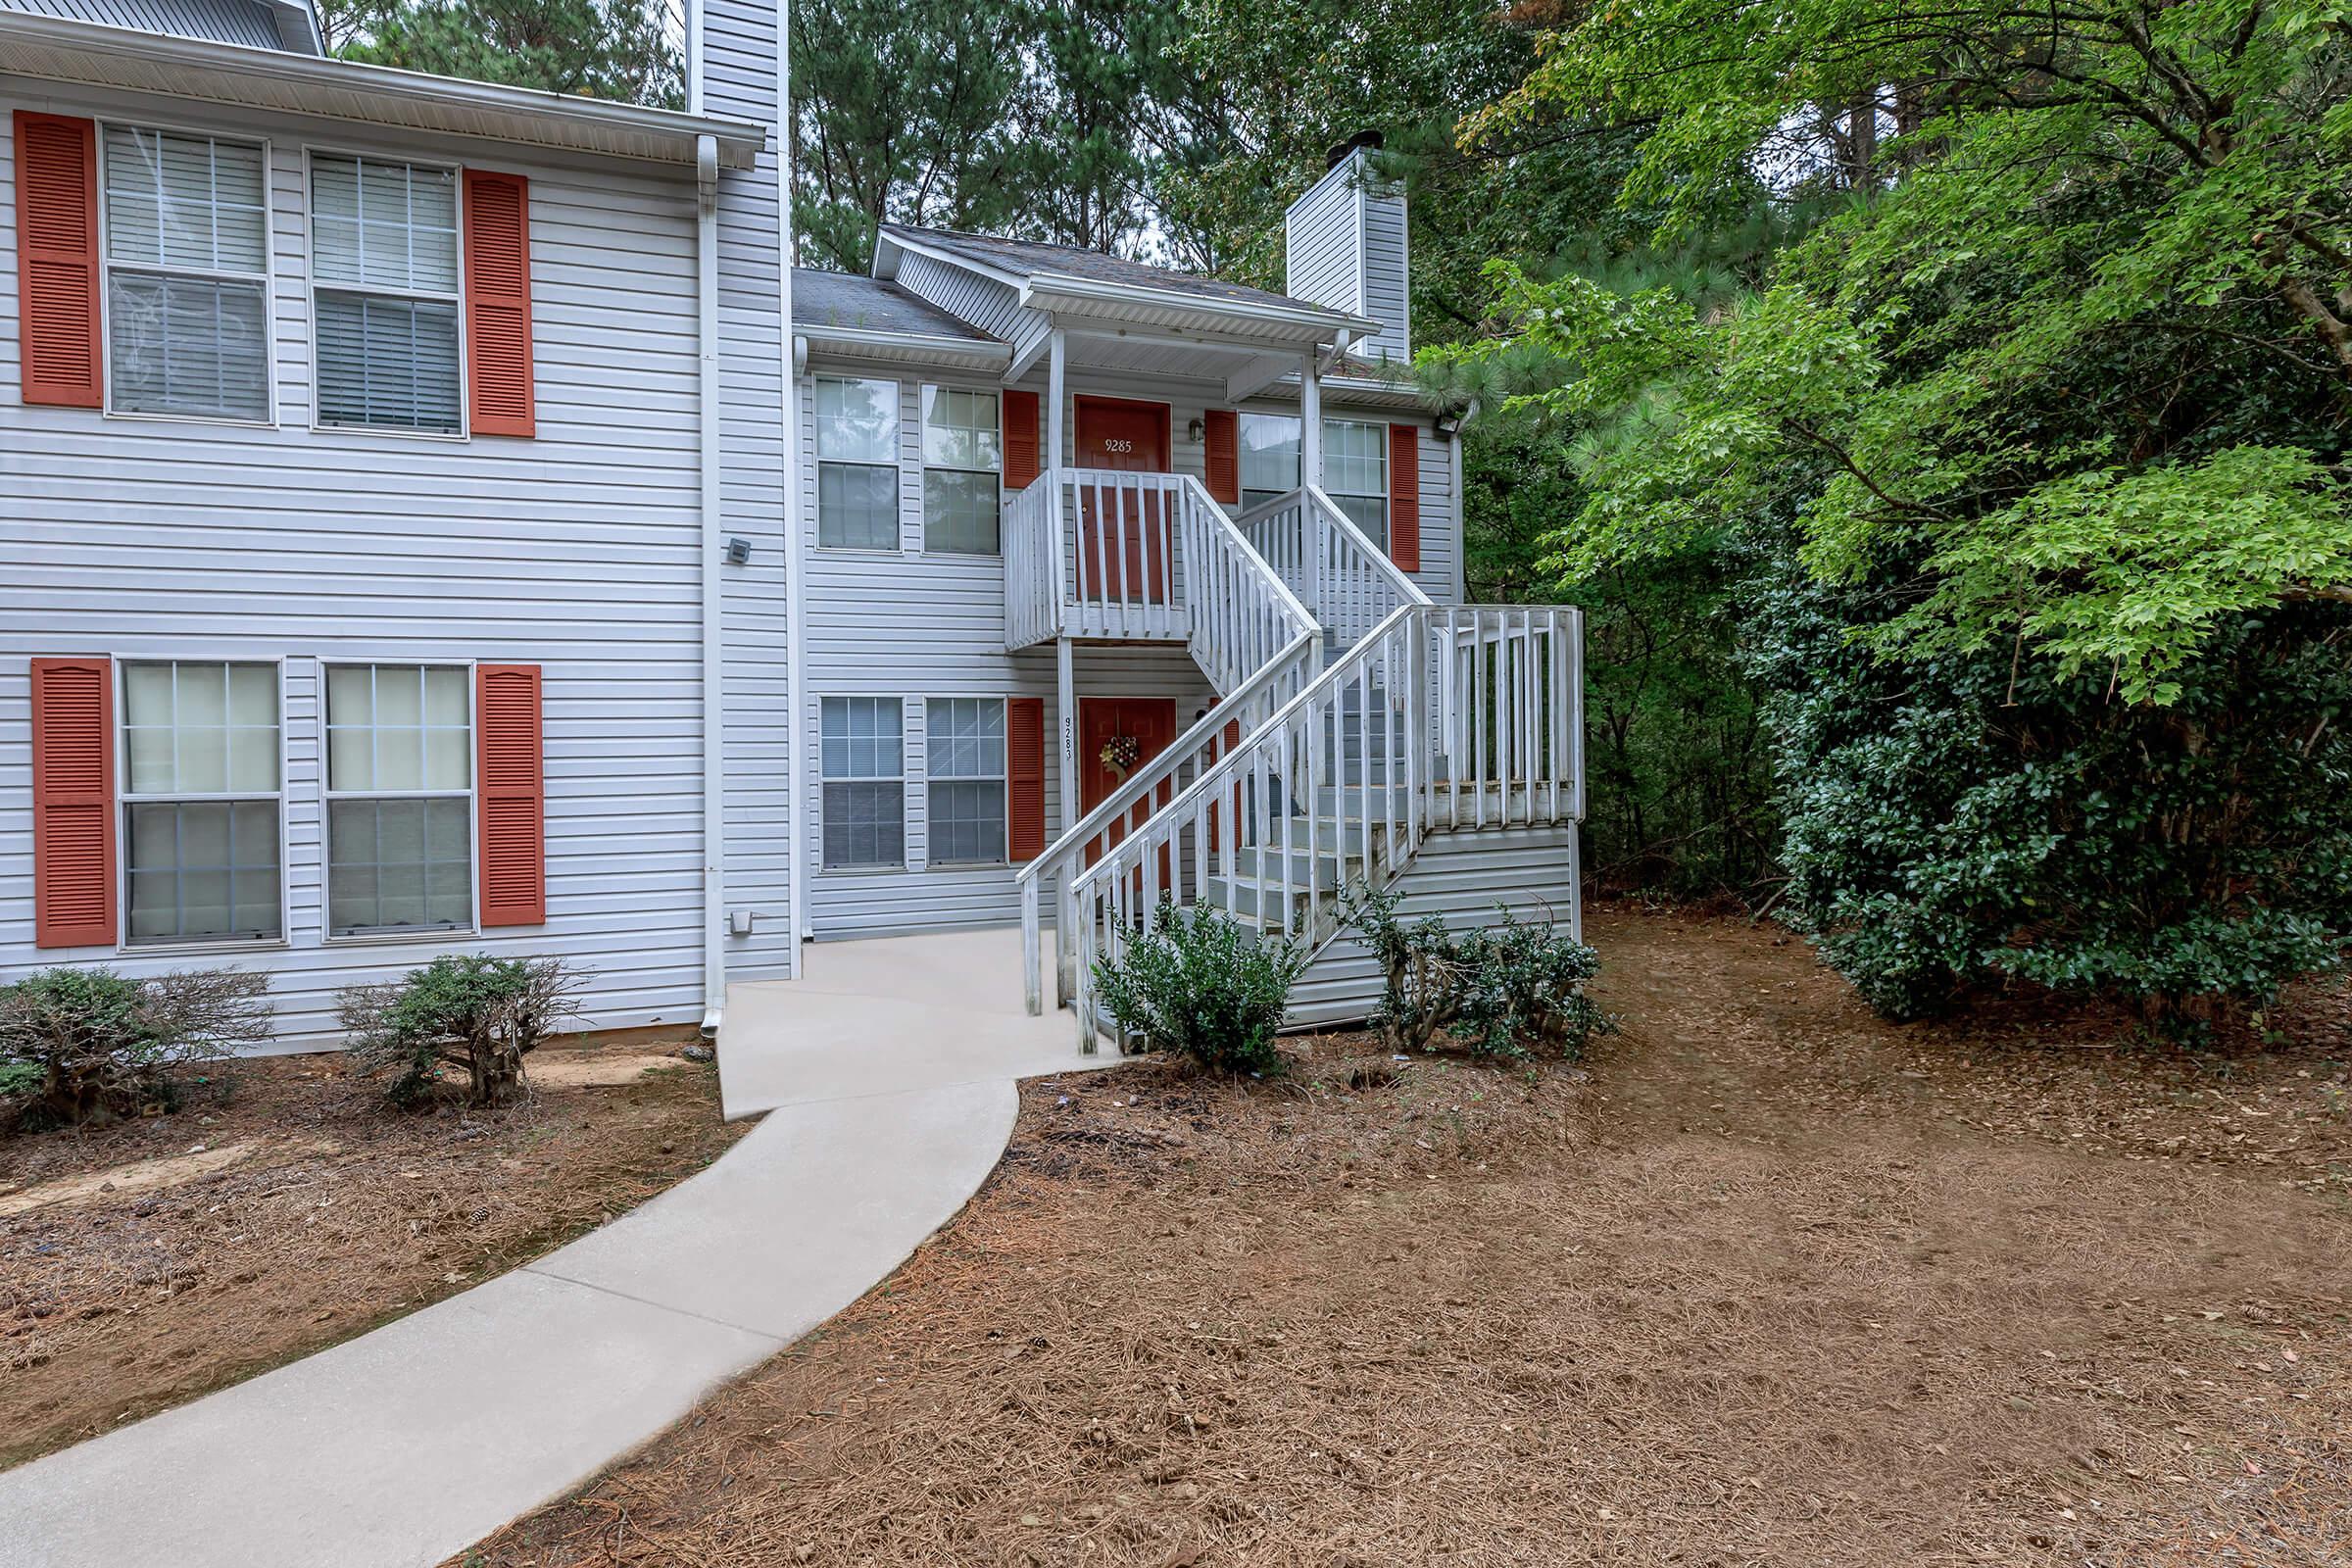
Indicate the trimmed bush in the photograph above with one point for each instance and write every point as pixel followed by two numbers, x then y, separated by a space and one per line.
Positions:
pixel 1513 989
pixel 468 1011
pixel 88 1045
pixel 1200 985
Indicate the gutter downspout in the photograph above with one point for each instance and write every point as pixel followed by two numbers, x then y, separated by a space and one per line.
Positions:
pixel 796 562
pixel 715 853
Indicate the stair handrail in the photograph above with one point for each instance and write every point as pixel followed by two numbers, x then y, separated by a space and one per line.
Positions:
pixel 1133 855
pixel 1244 707
pixel 1335 541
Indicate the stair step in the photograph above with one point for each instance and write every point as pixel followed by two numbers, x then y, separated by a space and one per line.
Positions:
pixel 1249 863
pixel 1253 902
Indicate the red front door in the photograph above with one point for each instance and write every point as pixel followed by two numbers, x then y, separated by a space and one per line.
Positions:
pixel 1123 547
pixel 1150 721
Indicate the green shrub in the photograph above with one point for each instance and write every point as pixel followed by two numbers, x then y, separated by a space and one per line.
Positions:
pixel 81 1044
pixel 1198 984
pixel 1513 989
pixel 470 1011
pixel 1959 825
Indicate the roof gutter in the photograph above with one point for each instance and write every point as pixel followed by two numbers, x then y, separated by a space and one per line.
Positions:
pixel 928 347
pixel 58 48
pixel 1053 291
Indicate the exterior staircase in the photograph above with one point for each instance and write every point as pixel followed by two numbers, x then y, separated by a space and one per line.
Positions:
pixel 1356 719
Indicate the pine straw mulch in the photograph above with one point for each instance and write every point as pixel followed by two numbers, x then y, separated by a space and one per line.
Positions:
pixel 337 1216
pixel 1776 1284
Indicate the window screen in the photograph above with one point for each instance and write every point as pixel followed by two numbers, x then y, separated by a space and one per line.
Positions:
pixel 963 457
pixel 1355 474
pixel 963 739
pixel 399 799
pixel 857 463
pixel 1270 457
pixel 187 258
pixel 863 762
pixel 385 294
pixel 201 802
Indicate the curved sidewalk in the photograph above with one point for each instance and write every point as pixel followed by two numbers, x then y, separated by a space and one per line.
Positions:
pixel 405 1445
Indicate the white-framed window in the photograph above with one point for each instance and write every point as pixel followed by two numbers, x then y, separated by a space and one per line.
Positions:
pixel 202 803
pixel 1355 473
pixel 186 221
pixel 399 799
pixel 963 465
pixel 1269 444
pixel 387 294
pixel 856 462
pixel 963 756
pixel 863 759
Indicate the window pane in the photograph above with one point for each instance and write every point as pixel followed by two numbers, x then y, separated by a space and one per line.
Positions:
pixel 203 870
pixel 964 737
pixel 391 363
pixel 396 865
pixel 385 224
pixel 183 345
pixel 961 430
pixel 185 201
pixel 960 512
pixel 862 737
pixel 856 421
pixel 201 728
pixel 865 824
pixel 856 506
pixel 967 822
pixel 1270 453
pixel 1355 459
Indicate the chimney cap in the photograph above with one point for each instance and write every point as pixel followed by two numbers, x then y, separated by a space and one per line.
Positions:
pixel 1369 140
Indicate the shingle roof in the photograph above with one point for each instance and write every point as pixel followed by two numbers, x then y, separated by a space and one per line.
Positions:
pixel 845 299
pixel 1031 257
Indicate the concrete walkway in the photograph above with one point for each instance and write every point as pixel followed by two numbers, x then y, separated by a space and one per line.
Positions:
pixel 405 1445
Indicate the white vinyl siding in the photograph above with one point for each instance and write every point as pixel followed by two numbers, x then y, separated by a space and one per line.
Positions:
pixel 864 761
pixel 964 461
pixel 386 294
pixel 579 552
pixel 399 799
pixel 963 739
pixel 203 799
pixel 1270 457
pixel 188 263
pixel 857 463
pixel 1355 473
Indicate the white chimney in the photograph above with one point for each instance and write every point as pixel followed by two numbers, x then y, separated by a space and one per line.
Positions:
pixel 1344 247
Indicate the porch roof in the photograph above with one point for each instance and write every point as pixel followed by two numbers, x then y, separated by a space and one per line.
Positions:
pixel 876 319
pixel 1088 291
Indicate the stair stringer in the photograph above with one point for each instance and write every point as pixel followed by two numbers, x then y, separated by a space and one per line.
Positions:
pixel 1460 874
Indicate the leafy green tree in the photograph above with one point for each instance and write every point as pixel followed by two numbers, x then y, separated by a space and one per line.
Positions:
pixel 617 49
pixel 2040 440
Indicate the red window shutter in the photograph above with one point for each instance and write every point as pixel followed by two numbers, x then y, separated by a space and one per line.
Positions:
pixel 511 787
pixel 1021 466
pixel 1404 496
pixel 498 303
pixel 1025 778
pixel 1223 461
pixel 57 261
pixel 73 802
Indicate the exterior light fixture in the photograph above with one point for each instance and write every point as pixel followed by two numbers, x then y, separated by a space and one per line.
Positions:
pixel 1196 429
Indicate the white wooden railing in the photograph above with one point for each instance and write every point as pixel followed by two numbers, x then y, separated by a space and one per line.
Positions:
pixel 1098 553
pixel 1322 557
pixel 1458 717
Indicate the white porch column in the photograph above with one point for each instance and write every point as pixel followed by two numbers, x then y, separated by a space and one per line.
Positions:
pixel 1310 420
pixel 1057 399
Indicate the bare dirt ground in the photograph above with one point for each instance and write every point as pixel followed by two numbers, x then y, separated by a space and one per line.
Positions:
pixel 1770 1282
pixel 149 1261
